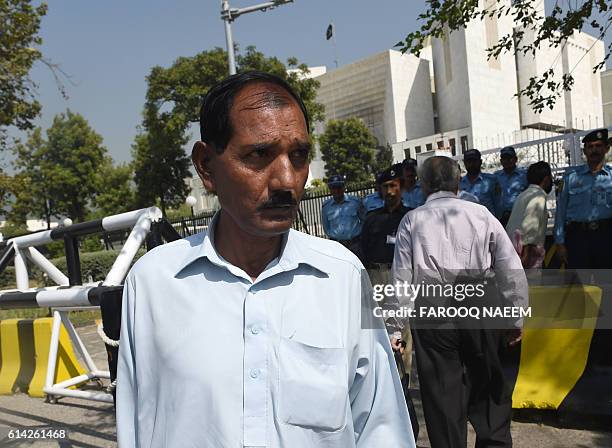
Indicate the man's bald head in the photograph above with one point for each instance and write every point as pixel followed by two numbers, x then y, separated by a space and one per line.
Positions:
pixel 440 173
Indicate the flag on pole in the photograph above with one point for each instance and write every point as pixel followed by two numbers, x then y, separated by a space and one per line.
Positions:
pixel 330 31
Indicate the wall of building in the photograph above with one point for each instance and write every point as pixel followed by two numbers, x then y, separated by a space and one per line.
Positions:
pixel 492 82
pixel 606 96
pixel 451 81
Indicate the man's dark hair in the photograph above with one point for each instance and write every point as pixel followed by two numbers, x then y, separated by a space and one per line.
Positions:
pixel 537 172
pixel 215 125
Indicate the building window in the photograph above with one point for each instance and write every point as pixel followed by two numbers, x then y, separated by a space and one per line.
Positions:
pixel 464 143
pixel 417 149
pixel 440 144
pixel 406 153
pixel 429 147
pixel 451 143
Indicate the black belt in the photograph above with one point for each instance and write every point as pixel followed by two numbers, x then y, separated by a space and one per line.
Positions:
pixel 589 226
pixel 379 266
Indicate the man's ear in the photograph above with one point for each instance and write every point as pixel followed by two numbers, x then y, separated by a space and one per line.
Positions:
pixel 201 156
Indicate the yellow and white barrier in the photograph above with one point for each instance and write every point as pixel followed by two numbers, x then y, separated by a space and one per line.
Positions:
pixel 555 344
pixel 24 350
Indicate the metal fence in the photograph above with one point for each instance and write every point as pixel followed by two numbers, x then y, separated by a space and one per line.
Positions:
pixel 309 219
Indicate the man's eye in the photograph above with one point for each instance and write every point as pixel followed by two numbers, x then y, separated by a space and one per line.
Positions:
pixel 258 153
pixel 301 153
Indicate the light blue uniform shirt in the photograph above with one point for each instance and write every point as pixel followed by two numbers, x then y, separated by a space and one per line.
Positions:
pixel 413 198
pixel 343 221
pixel 486 189
pixel 511 185
pixel 210 358
pixel 584 197
pixel 372 202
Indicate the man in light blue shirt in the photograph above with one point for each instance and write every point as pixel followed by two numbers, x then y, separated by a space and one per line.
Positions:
pixel 253 334
pixel 342 214
pixel 512 182
pixel 412 197
pixel 483 185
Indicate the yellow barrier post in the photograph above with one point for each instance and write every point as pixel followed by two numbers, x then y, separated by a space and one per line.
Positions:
pixel 555 344
pixel 67 365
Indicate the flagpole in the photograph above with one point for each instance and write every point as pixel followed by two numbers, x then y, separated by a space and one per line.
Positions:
pixel 334 41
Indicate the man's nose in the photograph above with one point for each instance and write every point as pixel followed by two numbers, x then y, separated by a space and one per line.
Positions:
pixel 282 174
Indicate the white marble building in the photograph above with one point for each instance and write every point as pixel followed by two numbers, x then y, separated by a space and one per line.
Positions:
pixel 454 98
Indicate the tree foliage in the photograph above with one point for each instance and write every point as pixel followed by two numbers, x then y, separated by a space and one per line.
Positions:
pixel 173 101
pixel 383 159
pixel 181 88
pixel 19 27
pixel 58 176
pixel 348 148
pixel 160 163
pixel 548 30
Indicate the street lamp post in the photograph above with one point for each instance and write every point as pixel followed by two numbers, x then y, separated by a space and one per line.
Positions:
pixel 229 14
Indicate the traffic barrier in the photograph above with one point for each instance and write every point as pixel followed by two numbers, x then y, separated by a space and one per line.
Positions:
pixel 553 359
pixel 24 348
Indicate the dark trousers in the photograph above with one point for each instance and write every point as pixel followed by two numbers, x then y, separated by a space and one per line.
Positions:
pixel 589 249
pixel 461 378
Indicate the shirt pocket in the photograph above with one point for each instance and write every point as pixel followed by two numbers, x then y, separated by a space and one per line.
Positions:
pixel 313 386
pixel 579 198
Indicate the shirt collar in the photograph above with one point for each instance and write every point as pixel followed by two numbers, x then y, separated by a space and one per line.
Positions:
pixel 440 195
pixel 290 256
pixel 536 187
pixel 606 169
pixel 467 178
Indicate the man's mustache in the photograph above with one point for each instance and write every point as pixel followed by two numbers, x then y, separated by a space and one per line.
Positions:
pixel 282 199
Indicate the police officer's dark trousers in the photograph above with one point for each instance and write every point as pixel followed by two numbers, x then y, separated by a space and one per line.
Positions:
pixel 589 248
pixel 461 379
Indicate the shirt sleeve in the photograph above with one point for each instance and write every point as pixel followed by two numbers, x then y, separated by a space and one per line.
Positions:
pixel 561 211
pixel 509 274
pixel 533 220
pixel 378 407
pixel 402 267
pixel 127 385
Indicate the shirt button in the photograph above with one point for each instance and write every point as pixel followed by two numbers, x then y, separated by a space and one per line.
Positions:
pixel 255 329
pixel 254 373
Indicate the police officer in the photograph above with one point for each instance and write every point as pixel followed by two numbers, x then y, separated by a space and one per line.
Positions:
pixel 378 235
pixel 512 182
pixel 374 201
pixel 412 197
pixel 583 221
pixel 482 185
pixel 378 247
pixel 343 215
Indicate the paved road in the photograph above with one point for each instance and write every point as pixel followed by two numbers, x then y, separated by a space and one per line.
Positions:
pixel 92 424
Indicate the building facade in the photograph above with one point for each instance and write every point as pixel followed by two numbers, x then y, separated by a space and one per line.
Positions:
pixel 454 97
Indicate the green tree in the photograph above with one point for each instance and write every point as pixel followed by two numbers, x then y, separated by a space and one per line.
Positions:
pixel 552 30
pixel 160 163
pixel 347 147
pixel 173 101
pixel 115 191
pixel 182 87
pixel 19 27
pixel 61 171
pixel 383 159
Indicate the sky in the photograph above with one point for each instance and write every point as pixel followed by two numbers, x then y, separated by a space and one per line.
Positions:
pixel 108 47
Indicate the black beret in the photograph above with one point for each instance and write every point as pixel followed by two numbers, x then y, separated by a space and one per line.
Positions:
pixel 597 134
